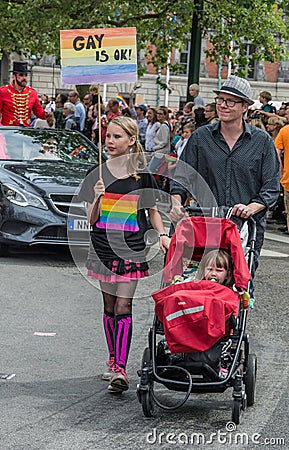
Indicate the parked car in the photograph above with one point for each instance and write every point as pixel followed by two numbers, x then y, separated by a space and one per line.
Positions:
pixel 40 171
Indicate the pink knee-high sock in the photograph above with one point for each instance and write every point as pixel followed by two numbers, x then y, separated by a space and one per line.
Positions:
pixel 109 325
pixel 122 335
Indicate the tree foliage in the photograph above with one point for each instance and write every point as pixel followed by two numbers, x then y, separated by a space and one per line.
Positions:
pixel 32 26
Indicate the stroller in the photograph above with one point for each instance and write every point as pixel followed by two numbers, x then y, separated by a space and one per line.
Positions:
pixel 198 343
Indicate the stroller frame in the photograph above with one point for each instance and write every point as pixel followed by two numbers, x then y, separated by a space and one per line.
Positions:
pixel 241 375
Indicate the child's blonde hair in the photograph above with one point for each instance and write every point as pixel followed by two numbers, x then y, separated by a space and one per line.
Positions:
pixel 137 156
pixel 190 126
pixel 223 260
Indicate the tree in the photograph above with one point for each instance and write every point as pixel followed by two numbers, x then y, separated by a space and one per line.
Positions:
pixel 32 26
pixel 231 24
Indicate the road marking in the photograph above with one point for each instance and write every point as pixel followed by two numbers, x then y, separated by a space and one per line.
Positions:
pixel 275 237
pixel 271 254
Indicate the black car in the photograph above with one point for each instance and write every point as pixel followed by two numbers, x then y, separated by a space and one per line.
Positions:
pixel 40 171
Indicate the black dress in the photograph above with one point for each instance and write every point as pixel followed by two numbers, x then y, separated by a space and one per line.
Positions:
pixel 118 250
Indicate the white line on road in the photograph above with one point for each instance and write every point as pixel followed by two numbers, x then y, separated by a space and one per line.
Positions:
pixel 276 237
pixel 271 254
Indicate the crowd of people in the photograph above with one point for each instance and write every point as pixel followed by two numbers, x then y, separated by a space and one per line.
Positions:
pixel 162 131
pixel 217 163
pixel 272 120
pixel 211 152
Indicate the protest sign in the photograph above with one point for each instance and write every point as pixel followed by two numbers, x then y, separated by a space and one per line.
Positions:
pixel 106 55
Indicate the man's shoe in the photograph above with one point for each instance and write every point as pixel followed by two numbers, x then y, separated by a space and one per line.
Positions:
pixel 119 381
pixel 107 376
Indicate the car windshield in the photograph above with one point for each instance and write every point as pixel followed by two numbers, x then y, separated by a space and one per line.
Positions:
pixel 41 144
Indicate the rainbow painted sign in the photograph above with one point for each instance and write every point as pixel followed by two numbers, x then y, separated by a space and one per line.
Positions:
pixel 106 55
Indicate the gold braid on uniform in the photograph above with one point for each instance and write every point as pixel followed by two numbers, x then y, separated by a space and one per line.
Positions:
pixel 20 106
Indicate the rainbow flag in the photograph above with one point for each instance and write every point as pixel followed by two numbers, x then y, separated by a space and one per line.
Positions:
pixel 121 101
pixel 171 158
pixel 119 212
pixel 105 55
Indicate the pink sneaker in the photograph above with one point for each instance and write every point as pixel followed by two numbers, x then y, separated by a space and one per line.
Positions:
pixel 119 382
pixel 107 376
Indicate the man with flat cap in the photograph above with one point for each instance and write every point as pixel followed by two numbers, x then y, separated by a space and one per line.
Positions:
pixel 17 100
pixel 229 163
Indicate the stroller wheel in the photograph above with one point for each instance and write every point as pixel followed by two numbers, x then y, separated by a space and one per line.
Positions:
pixel 236 410
pixel 250 379
pixel 145 391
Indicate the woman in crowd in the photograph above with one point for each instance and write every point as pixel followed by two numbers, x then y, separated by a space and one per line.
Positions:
pixel 152 128
pixel 162 140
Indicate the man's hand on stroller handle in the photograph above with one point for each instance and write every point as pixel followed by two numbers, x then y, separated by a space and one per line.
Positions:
pixel 239 210
pixel 246 211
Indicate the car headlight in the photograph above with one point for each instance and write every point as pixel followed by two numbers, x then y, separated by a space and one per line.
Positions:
pixel 22 198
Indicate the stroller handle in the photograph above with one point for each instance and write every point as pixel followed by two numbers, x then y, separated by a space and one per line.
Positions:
pixel 208 211
pixel 221 212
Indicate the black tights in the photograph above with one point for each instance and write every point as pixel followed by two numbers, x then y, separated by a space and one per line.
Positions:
pixel 117 297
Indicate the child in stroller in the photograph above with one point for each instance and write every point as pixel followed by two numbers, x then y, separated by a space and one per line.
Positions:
pixel 203 321
pixel 195 314
pixel 216 266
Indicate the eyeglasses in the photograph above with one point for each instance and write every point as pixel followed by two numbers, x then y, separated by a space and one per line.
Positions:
pixel 228 102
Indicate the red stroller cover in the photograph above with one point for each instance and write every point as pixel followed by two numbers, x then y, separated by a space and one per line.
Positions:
pixel 194 314
pixel 206 233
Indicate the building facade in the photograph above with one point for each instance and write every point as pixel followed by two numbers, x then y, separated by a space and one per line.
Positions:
pixel 45 77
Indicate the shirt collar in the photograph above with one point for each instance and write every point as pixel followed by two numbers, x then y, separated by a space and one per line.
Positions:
pixel 247 128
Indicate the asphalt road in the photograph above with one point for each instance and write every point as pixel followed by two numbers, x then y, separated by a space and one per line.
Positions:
pixel 57 400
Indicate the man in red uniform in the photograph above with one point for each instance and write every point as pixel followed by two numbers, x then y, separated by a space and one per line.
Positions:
pixel 17 100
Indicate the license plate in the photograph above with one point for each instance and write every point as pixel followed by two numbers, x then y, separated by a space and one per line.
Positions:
pixel 78 225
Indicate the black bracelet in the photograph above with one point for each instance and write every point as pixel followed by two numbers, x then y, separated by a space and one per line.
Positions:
pixel 163 234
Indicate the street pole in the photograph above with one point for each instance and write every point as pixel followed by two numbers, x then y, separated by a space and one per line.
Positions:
pixel 167 81
pixel 220 61
pixel 159 87
pixel 195 51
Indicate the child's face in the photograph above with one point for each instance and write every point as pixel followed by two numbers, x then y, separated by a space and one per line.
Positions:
pixel 118 142
pixel 186 134
pixel 214 272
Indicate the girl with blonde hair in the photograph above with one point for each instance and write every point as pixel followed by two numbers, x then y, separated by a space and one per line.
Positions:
pixel 116 205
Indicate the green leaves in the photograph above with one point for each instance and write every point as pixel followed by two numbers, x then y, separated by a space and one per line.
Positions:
pixel 32 26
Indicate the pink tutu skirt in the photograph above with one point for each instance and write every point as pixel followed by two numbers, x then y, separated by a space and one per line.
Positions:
pixel 117 271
